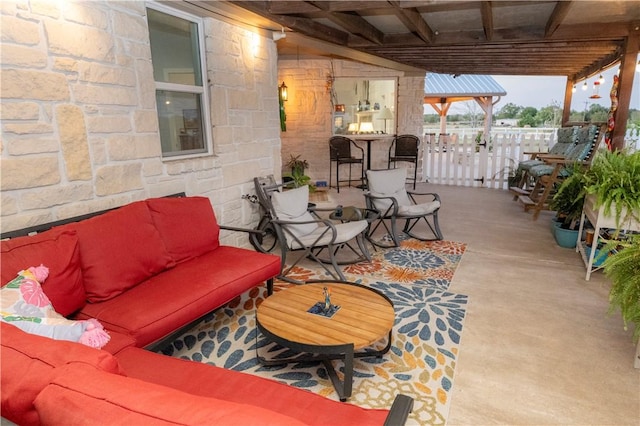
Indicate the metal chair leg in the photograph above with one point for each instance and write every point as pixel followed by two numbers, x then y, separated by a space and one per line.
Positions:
pixel 415 173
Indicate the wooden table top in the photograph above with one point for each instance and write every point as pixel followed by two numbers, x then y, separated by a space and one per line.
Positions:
pixel 365 316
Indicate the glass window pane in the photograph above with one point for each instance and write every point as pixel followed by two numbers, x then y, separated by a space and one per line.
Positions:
pixel 174 49
pixel 364 106
pixel 180 120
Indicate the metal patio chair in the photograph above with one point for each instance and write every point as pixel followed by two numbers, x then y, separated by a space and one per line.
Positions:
pixel 299 228
pixel 405 148
pixel 389 197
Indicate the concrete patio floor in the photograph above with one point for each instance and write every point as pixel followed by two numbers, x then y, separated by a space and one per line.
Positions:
pixel 538 346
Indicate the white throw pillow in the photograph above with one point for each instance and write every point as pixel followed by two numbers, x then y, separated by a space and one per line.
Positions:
pixel 292 206
pixel 388 183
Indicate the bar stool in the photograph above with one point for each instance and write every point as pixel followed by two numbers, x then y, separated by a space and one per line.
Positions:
pixel 405 148
pixel 340 153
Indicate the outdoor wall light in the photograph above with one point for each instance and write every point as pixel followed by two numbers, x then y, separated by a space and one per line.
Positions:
pixel 282 90
pixel 283 95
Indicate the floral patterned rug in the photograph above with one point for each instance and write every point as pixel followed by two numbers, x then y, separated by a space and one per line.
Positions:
pixel 426 335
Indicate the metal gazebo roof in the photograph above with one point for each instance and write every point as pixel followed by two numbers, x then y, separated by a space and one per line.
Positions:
pixel 446 88
pixel 441 90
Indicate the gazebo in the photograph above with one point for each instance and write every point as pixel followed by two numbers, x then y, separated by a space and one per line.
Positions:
pixel 441 90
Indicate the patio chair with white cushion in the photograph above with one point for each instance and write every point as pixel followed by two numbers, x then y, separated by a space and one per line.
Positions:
pixel 300 230
pixel 389 197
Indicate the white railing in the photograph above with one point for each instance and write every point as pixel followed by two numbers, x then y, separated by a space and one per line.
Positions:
pixel 456 159
pixel 632 139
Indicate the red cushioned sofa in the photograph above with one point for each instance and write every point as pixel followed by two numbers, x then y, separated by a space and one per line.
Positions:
pixel 146 271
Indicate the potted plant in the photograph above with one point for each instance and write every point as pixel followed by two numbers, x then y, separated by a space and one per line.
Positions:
pixel 612 183
pixel 568 202
pixel 622 267
pixel 297 175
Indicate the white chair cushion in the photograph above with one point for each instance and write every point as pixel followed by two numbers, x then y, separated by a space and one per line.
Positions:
pixel 292 206
pixel 345 232
pixel 388 183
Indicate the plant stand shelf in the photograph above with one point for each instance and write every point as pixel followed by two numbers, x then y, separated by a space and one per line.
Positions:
pixel 598 220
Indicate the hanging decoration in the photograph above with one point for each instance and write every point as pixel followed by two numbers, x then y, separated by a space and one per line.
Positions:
pixel 596 90
pixel 608 137
pixel 331 90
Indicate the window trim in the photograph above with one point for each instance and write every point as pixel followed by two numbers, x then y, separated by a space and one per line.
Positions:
pixel 202 90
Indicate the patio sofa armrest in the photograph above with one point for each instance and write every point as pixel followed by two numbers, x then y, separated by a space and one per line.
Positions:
pixel 399 412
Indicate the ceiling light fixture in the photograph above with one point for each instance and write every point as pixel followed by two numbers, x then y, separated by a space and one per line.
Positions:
pixel 279 35
pixel 601 79
pixel 573 89
pixel 585 86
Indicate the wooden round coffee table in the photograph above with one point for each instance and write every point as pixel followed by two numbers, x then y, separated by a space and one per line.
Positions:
pixel 365 317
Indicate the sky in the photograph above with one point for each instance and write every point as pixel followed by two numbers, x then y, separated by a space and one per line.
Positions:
pixel 543 91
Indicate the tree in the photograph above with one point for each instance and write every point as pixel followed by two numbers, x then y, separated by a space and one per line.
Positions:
pixel 550 115
pixel 474 114
pixel 598 113
pixel 528 117
pixel 510 110
pixel 431 118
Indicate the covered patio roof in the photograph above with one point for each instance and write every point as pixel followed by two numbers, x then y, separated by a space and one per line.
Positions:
pixel 576 39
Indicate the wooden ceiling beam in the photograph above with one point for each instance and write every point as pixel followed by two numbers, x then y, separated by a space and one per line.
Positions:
pixel 508 36
pixel 302 25
pixel 601 32
pixel 289 7
pixel 487 19
pixel 577 48
pixel 414 22
pixel 557 16
pixel 352 22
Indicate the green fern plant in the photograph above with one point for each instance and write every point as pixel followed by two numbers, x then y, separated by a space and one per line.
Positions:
pixel 614 180
pixel 569 199
pixel 623 269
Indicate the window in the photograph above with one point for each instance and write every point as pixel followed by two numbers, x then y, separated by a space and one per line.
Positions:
pixel 364 106
pixel 179 71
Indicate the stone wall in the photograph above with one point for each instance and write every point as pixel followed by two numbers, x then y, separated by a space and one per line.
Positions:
pixel 79 124
pixel 309 114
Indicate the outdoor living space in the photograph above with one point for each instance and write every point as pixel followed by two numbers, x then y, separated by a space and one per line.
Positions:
pixel 538 346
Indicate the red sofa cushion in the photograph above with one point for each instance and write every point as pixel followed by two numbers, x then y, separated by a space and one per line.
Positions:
pixel 174 298
pixel 234 386
pixel 28 363
pixel 187 225
pixel 84 396
pixel 56 249
pixel 119 249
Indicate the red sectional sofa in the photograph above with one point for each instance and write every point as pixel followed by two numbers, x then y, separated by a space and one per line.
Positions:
pixel 145 271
